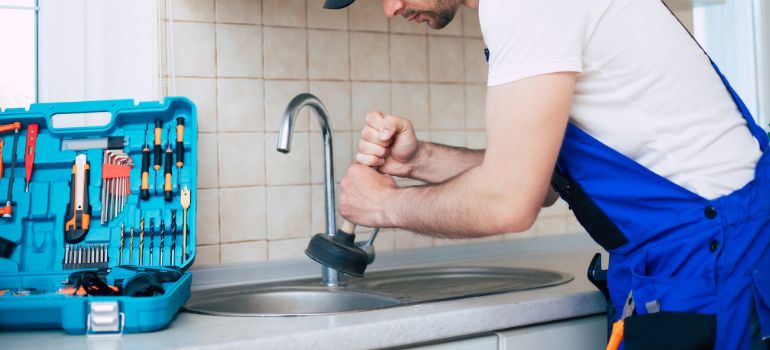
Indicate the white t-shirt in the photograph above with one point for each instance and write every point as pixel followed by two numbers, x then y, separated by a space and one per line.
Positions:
pixel 644 87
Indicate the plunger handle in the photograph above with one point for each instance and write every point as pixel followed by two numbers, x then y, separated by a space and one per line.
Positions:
pixel 348 227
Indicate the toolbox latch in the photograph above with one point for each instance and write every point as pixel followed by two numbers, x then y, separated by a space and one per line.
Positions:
pixel 105 318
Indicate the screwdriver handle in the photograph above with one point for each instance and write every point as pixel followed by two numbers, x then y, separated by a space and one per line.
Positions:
pixel 29 154
pixel 145 188
pixel 157 142
pixel 167 188
pixel 179 142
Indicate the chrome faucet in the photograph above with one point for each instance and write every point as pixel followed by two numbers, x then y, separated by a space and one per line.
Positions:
pixel 336 247
pixel 329 275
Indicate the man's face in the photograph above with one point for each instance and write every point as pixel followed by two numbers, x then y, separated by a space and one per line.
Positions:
pixel 438 13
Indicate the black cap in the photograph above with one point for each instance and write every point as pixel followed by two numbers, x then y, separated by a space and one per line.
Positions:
pixel 337 4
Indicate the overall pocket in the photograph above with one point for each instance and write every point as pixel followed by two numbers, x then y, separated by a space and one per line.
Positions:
pixel 686 319
pixel 761 293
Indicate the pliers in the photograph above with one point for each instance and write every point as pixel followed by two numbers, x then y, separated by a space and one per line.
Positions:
pixel 618 327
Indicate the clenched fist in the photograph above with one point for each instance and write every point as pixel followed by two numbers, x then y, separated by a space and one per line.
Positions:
pixel 389 143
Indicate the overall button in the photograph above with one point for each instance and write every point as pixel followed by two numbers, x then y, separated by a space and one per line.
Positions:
pixel 710 212
pixel 714 246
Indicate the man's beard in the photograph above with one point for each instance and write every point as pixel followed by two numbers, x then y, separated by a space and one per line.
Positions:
pixel 441 14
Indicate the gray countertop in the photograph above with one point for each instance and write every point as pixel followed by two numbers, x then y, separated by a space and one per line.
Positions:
pixel 371 329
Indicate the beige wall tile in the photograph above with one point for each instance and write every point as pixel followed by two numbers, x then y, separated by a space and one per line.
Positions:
pixel 208 219
pixel 239 11
pixel 399 24
pixel 573 225
pixel 328 54
pixel 289 13
pixel 241 105
pixel 367 15
pixel 447 109
pixel 285 53
pixel 287 249
pixel 475 61
pixel 475 106
pixel 369 56
pixel 335 95
pixel 408 240
pixel 443 242
pixel 343 156
pixel 194 49
pixel 193 10
pixel 559 209
pixel 208 151
pixel 369 97
pixel 450 138
pixel 239 51
pixel 445 59
pixel 203 92
pixel 550 226
pixel 207 255
pixel 241 159
pixel 288 210
pixel 492 238
pixel 476 140
pixel 318 17
pixel 278 94
pixel 244 252
pixel 288 169
pixel 408 58
pixel 242 213
pixel 471 26
pixel 318 202
pixel 411 101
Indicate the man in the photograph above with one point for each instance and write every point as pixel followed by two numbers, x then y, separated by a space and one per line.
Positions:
pixel 659 160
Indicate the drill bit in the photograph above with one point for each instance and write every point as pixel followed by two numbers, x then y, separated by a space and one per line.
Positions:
pixel 131 248
pixel 185 201
pixel 162 238
pixel 152 238
pixel 122 238
pixel 173 235
pixel 141 240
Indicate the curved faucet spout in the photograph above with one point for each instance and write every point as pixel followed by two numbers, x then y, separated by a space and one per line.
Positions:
pixel 330 276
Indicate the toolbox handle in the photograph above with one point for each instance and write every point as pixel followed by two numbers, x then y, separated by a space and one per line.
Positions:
pixel 50 110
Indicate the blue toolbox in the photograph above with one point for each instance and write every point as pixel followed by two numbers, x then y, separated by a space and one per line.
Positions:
pixel 97 222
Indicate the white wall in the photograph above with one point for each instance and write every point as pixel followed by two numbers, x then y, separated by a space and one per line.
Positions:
pixel 727 32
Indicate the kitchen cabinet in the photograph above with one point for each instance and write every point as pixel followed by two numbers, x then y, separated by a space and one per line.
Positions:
pixel 487 342
pixel 585 333
pixel 577 334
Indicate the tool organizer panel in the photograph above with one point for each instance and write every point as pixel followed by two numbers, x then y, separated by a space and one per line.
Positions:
pixel 97 223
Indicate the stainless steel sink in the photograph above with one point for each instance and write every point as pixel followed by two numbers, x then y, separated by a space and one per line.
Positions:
pixel 375 291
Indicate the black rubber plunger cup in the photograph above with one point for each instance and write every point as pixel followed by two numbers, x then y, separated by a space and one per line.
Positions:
pixel 338 252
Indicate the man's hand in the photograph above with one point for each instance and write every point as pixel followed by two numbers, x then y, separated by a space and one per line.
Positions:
pixel 388 142
pixel 364 196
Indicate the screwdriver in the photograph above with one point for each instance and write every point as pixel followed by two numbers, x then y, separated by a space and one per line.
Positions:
pixel 158 150
pixel 179 150
pixel 167 187
pixel 145 193
pixel 29 154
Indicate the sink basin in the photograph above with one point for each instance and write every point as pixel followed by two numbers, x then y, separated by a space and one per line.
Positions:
pixel 286 301
pixel 374 291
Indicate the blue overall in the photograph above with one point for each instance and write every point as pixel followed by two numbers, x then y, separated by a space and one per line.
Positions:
pixel 690 254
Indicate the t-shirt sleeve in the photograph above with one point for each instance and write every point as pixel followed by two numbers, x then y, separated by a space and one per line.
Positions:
pixel 526 38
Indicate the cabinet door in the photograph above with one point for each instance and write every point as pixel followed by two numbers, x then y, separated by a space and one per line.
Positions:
pixel 587 333
pixel 488 342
